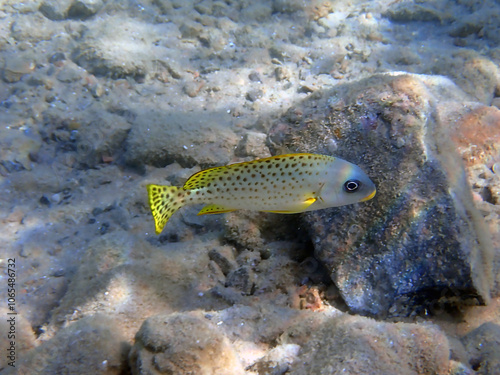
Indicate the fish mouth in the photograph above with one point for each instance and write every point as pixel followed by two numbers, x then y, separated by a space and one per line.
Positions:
pixel 367 198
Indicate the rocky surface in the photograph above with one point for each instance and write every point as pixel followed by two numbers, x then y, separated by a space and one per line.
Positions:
pixel 99 98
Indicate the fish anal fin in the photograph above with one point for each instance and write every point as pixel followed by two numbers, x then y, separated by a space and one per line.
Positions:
pixel 214 209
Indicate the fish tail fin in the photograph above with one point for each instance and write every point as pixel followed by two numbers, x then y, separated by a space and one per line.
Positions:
pixel 164 201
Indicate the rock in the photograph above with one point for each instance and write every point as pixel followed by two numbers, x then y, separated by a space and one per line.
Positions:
pixel 409 12
pixel 92 345
pixel 282 73
pixel 101 135
pixel 476 75
pixel 288 6
pixel 277 361
pixel 187 138
pixel 224 258
pixel 356 345
pixel 190 29
pixel 61 9
pixel 242 279
pixel 420 242
pixel 55 10
pixel 457 368
pixel 192 88
pixel 243 230
pixel 182 344
pixel 254 95
pixel 483 347
pixel 253 144
pixel 476 132
pixel 213 38
pixel 34 28
pixel 16 146
pixel 16 66
pixel 82 9
pixel 70 72
pixel 105 50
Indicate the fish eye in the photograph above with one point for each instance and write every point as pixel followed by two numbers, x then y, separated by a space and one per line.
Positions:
pixel 351 186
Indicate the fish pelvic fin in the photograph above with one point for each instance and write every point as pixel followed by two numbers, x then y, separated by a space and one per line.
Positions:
pixel 164 201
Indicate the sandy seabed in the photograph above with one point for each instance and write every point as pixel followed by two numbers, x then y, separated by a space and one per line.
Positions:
pixel 100 98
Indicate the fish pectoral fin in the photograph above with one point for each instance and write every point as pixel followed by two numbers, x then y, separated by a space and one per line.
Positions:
pixel 309 201
pixel 214 209
pixel 299 208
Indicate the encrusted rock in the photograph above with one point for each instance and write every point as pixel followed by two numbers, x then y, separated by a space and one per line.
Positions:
pixel 420 242
pixel 182 344
pixel 253 144
pixel 357 345
pixel 92 345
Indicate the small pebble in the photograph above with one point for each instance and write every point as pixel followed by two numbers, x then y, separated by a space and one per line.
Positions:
pixel 254 95
pixel 281 73
pixel 17 66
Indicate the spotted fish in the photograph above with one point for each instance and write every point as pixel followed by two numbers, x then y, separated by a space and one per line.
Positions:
pixel 284 184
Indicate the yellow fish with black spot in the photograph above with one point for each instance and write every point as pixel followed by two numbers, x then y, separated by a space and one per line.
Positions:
pixel 288 184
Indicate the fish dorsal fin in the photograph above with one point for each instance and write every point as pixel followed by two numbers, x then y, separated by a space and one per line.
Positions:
pixel 203 178
pixel 214 209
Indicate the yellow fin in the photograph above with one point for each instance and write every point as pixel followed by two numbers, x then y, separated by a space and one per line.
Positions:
pixel 164 201
pixel 202 178
pixel 299 208
pixel 214 209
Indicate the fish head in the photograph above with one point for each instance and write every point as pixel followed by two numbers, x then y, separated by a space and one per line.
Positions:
pixel 346 183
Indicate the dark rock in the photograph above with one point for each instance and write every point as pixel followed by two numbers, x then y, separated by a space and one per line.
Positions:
pixel 420 242
pixel 45 201
pixel 254 95
pixel 483 347
pixel 82 9
pixel 243 279
pixel 57 57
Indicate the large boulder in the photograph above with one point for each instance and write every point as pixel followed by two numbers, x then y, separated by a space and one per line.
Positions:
pixel 420 242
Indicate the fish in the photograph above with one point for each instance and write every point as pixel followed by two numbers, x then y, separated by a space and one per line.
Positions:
pixel 286 184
